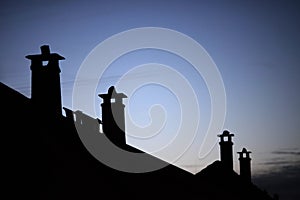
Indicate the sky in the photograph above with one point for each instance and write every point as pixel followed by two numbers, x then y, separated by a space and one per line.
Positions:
pixel 254 44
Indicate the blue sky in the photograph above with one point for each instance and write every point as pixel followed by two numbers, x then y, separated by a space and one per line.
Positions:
pixel 255 45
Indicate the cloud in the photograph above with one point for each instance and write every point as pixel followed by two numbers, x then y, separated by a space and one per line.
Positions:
pixel 297 153
pixel 285 182
pixel 276 162
pixel 283 174
pixel 280 158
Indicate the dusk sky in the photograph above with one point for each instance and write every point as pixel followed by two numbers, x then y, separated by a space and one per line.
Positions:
pixel 254 44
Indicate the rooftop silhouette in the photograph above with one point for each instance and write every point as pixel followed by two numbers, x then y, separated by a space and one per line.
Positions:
pixel 51 155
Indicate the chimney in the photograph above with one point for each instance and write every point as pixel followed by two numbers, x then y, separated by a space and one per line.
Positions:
pixel 245 164
pixel 45 83
pixel 226 149
pixel 113 117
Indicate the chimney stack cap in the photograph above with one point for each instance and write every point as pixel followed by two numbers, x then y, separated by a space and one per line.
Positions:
pixel 45 55
pixel 225 133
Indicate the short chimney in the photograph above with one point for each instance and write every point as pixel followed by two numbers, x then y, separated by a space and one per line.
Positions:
pixel 245 164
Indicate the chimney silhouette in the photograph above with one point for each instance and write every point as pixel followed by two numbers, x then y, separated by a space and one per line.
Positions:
pixel 245 164
pixel 226 149
pixel 113 118
pixel 45 82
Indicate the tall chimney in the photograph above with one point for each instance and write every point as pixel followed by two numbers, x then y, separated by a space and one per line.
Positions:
pixel 45 83
pixel 226 149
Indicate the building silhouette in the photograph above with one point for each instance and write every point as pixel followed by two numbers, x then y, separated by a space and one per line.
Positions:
pixel 47 159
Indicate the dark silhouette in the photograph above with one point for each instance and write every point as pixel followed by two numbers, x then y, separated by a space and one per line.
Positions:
pixel 113 118
pixel 45 82
pixel 47 159
pixel 226 149
pixel 245 164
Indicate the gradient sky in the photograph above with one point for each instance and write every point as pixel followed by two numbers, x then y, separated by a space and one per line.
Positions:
pixel 255 45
